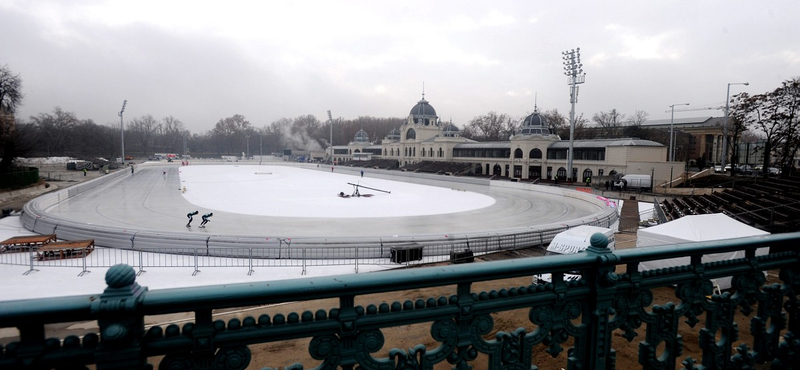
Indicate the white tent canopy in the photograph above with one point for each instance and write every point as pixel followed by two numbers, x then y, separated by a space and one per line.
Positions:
pixel 696 228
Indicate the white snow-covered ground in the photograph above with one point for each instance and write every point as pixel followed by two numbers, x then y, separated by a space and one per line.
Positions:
pixel 64 281
pixel 312 193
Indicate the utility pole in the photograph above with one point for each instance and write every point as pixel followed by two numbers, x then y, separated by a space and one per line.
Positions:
pixel 122 130
pixel 671 153
pixel 725 126
pixel 573 69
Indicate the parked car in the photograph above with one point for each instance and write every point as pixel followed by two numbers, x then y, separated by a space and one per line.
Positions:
pixel 745 169
pixel 774 171
pixel 718 168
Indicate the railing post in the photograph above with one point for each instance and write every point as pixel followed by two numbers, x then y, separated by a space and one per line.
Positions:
pixel 31 255
pixel 250 270
pixel 120 321
pixel 356 260
pixel 304 262
pixel 141 265
pixel 594 350
pixel 84 264
pixel 196 270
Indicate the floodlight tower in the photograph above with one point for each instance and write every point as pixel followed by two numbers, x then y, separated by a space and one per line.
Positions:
pixel 122 129
pixel 725 126
pixel 573 69
pixel 330 119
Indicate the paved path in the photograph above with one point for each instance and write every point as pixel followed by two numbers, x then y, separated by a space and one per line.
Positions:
pixel 149 201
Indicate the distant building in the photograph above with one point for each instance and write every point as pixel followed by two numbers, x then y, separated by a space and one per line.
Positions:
pixel 706 136
pixel 534 153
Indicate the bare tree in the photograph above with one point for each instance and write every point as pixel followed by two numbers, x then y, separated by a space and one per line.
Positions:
pixel 609 122
pixel 55 129
pixel 229 134
pixel 775 116
pixel 556 122
pixel 488 127
pixel 144 130
pixel 633 126
pixel 173 133
pixel 303 133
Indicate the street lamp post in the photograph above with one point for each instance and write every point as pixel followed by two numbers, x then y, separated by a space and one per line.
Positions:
pixel 573 69
pixel 725 125
pixel 260 148
pixel 247 138
pixel 122 130
pixel 672 133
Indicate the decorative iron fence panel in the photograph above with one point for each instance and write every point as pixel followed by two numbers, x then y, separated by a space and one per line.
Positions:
pixel 608 303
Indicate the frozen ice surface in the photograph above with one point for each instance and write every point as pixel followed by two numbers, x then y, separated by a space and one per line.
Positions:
pixel 285 191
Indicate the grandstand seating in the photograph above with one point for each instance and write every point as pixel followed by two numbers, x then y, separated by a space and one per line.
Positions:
pixel 772 205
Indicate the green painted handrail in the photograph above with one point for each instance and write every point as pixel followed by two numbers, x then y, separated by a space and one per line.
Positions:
pixel 587 310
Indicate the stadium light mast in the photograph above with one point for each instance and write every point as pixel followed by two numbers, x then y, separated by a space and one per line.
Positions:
pixel 122 129
pixel 573 69
pixel 725 125
pixel 330 119
pixel 671 132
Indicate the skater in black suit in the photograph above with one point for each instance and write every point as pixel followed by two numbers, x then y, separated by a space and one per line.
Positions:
pixel 206 219
pixel 190 215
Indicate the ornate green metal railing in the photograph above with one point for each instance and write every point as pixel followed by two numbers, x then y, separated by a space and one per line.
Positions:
pixel 612 296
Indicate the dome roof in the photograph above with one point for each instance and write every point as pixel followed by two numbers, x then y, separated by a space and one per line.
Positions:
pixel 535 123
pixel 361 137
pixel 394 134
pixel 423 109
pixel 450 130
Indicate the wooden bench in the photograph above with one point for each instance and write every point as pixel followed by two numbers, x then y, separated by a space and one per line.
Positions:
pixel 64 250
pixel 26 242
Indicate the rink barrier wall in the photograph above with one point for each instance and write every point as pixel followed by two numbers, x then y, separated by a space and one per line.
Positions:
pixel 36 219
pixel 282 254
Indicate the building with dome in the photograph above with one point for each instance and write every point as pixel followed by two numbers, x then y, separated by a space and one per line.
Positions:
pixel 534 153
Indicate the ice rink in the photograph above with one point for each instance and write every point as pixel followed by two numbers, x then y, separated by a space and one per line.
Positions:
pixel 289 201
pixel 276 199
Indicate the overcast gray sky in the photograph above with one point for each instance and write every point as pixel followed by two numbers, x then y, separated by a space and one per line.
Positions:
pixel 201 61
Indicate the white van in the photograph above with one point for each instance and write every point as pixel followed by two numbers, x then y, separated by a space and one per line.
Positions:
pixel 574 240
pixel 633 182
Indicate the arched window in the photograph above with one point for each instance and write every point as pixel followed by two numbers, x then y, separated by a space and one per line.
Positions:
pixel 430 152
pixel 411 134
pixel 497 170
pixel 518 153
pixel 536 153
pixel 561 174
pixel 441 152
pixel 587 174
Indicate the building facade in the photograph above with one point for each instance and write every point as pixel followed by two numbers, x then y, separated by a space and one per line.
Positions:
pixel 533 154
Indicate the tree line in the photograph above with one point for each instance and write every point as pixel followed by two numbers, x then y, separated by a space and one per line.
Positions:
pixel 771 116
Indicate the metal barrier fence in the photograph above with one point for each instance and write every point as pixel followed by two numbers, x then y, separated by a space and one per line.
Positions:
pixel 287 255
pixel 581 321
